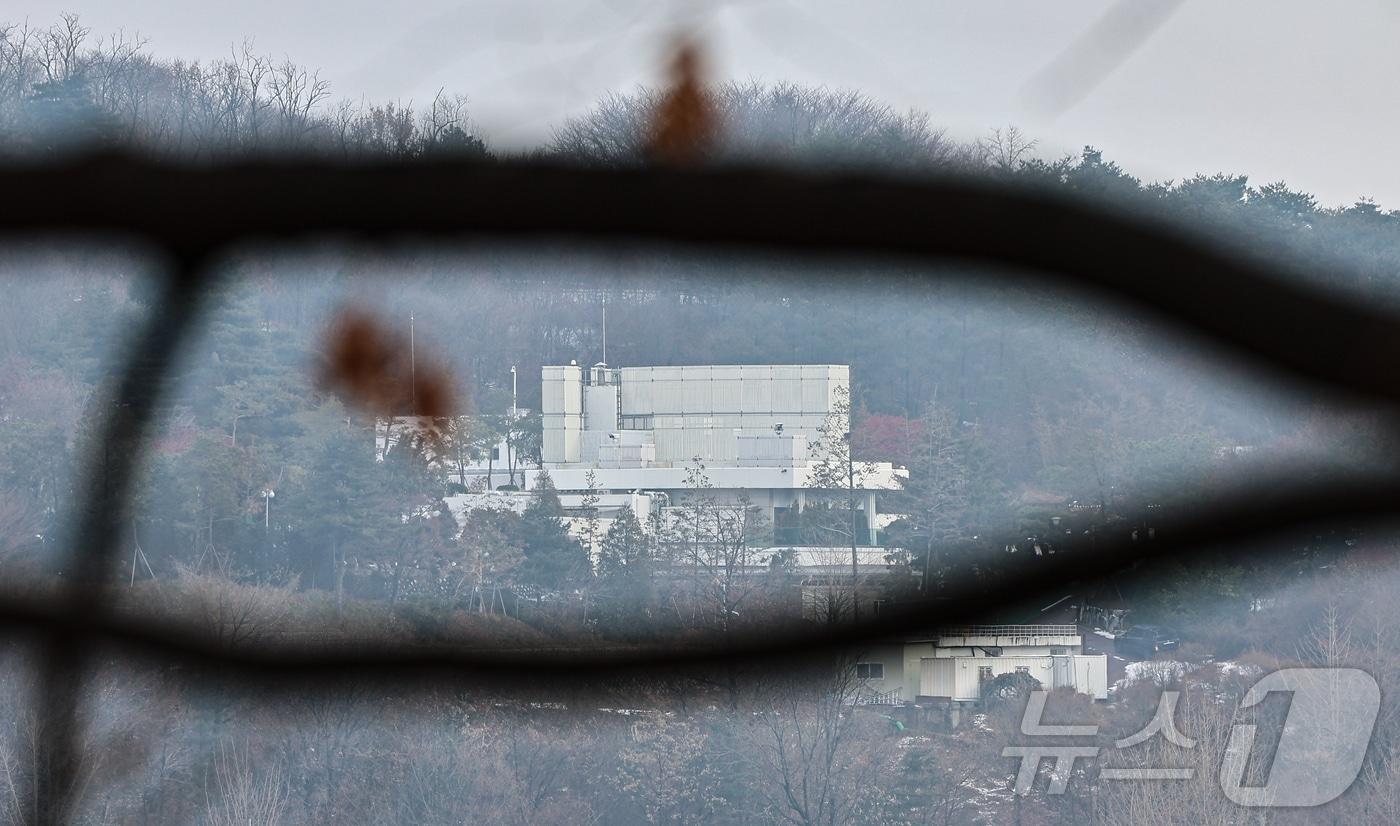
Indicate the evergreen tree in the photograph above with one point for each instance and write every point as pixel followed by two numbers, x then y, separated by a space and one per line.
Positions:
pixel 553 558
pixel 934 494
pixel 627 566
pixel 60 115
pixel 339 508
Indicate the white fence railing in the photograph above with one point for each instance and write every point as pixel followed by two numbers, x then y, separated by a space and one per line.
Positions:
pixel 877 698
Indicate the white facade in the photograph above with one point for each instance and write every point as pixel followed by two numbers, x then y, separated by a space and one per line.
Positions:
pixel 561 412
pixel 648 430
pixel 952 664
pixel 698 412
pixel 701 411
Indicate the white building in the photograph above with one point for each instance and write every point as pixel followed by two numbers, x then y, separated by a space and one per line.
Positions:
pixel 668 416
pixel 651 431
pixel 954 663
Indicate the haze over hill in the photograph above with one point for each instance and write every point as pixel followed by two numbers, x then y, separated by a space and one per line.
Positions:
pixel 1278 89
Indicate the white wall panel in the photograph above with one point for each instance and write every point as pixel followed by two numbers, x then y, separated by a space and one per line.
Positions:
pixel 726 395
pixel 756 396
pixel 787 396
pixel 937 677
pixel 601 407
pixel 637 398
pixel 667 397
pixel 714 401
pixel 697 395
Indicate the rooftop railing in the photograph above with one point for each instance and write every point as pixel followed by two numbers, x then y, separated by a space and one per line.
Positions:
pixel 1009 631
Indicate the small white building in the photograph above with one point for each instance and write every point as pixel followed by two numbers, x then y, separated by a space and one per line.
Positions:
pixel 953 663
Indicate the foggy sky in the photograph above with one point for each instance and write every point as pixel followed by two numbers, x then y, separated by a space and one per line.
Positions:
pixel 1276 89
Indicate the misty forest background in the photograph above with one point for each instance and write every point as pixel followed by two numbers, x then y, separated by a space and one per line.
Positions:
pixel 1038 399
pixel 1008 404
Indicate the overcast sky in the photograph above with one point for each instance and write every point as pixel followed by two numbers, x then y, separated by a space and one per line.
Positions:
pixel 1277 89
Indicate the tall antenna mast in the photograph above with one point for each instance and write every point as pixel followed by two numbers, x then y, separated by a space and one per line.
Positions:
pixel 605 329
pixel 412 367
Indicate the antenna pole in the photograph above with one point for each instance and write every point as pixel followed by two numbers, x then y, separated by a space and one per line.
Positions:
pixel 412 367
pixel 605 329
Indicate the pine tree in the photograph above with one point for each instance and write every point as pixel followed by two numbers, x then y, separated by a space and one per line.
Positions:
pixel 935 491
pixel 553 558
pixel 626 564
pixel 625 551
pixel 340 507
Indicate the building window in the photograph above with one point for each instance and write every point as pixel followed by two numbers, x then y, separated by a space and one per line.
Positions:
pixel 870 671
pixel 1058 651
pixel 1023 669
pixel 495 454
pixel 984 673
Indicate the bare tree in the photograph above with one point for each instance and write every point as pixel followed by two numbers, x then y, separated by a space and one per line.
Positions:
pixel 233 614
pixel 61 55
pixel 1201 716
pixel 18 68
pixel 249 792
pixel 817 759
pixel 1005 150
pixel 934 493
pixel 668 770
pixel 295 93
pixel 783 122
pixel 838 478
pixel 712 541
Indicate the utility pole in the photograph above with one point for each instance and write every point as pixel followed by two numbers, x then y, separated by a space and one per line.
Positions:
pixel 851 505
pixel 510 428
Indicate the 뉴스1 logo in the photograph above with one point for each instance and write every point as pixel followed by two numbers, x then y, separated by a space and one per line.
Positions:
pixel 1319 753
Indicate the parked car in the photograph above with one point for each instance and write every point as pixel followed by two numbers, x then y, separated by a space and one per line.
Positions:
pixel 1146 641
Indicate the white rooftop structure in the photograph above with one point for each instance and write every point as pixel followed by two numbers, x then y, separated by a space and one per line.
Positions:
pixel 670 416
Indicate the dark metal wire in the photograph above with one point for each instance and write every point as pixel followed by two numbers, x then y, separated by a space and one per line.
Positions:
pixel 1261 312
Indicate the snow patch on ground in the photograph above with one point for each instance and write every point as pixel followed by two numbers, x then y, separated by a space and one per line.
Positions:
pixel 1160 672
pixel 991 793
pixel 1229 668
